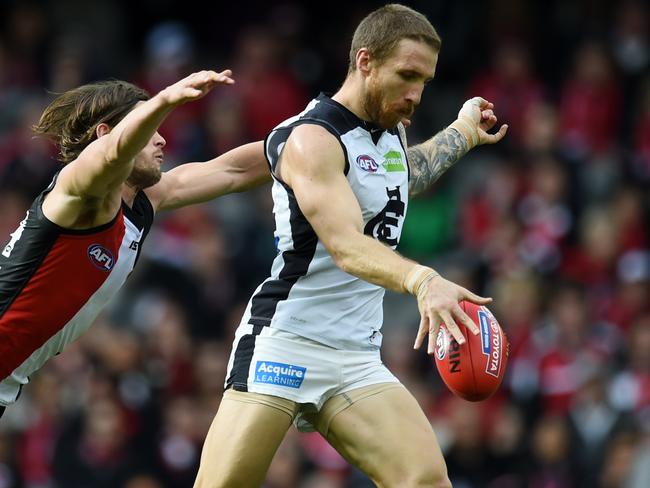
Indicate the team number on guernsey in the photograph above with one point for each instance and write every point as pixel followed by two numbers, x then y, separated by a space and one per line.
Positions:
pixel 279 374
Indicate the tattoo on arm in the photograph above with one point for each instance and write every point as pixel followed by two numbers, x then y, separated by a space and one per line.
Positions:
pixel 429 160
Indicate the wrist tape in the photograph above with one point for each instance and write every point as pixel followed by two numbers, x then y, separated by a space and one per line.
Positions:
pixel 467 129
pixel 418 278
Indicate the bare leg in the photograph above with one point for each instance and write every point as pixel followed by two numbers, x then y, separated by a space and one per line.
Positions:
pixel 242 440
pixel 388 437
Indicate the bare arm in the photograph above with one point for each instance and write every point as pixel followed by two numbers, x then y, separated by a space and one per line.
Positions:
pixel 237 170
pixel 107 162
pixel 429 160
pixel 88 190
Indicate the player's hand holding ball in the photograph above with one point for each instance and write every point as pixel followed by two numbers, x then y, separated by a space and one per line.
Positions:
pixel 473 370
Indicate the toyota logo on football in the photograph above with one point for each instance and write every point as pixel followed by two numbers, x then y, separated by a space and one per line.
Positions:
pixel 366 163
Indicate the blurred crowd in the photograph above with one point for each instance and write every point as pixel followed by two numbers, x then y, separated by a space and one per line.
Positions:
pixel 553 223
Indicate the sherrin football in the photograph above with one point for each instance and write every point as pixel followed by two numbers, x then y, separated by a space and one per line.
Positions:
pixel 474 370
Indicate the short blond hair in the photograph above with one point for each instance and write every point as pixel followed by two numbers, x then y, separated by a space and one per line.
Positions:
pixel 381 30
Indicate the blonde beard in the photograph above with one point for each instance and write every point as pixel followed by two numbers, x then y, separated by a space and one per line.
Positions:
pixel 372 105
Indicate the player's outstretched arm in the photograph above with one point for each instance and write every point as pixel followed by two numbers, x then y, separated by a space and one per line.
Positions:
pixel 107 162
pixel 429 160
pixel 312 165
pixel 239 169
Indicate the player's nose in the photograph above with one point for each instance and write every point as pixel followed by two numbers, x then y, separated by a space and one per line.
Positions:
pixel 159 141
pixel 413 96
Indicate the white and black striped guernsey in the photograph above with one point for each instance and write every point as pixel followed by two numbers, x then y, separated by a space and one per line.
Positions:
pixel 307 294
pixel 55 281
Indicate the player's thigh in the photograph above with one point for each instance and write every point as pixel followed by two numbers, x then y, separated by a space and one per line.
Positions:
pixel 387 436
pixel 243 437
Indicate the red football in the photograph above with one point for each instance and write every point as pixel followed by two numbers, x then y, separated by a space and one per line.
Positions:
pixel 474 370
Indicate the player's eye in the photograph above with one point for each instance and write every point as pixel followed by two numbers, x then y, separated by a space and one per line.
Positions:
pixel 408 75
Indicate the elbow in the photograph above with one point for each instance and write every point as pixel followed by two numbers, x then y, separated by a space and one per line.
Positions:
pixel 346 248
pixel 342 258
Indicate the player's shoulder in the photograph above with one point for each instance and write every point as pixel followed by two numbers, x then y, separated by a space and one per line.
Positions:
pixel 312 141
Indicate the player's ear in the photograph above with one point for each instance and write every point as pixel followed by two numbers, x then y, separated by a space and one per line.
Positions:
pixel 364 61
pixel 102 129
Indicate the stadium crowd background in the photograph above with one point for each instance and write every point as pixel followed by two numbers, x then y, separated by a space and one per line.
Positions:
pixel 552 222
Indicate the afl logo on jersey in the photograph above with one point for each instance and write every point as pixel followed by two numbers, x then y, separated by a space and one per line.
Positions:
pixel 366 163
pixel 101 257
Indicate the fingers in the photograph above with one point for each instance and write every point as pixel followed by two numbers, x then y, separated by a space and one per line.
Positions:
pixel 423 330
pixel 494 138
pixel 488 120
pixel 487 113
pixel 225 77
pixel 474 298
pixel 434 326
pixel 455 331
pixel 480 102
pixel 462 317
pixel 209 78
pixel 452 327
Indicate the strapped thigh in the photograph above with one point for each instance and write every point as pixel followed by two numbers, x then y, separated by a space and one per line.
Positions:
pixel 284 405
pixel 243 439
pixel 322 419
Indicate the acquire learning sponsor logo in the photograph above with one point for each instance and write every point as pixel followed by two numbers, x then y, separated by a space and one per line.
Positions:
pixel 279 374
pixel 490 342
pixel 393 162
pixel 101 257
pixel 366 163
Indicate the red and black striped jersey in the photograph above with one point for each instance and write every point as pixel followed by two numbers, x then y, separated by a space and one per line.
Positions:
pixel 55 281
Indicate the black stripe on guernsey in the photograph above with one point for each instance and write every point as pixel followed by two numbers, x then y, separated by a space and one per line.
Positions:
pixel 296 264
pixel 296 261
pixel 272 144
pixel 26 255
pixel 238 378
pixel 141 214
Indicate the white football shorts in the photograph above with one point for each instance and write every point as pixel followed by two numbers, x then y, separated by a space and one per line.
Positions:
pixel 274 362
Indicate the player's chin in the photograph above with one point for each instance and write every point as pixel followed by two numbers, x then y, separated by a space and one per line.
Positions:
pixel 148 179
pixel 390 121
pixel 155 177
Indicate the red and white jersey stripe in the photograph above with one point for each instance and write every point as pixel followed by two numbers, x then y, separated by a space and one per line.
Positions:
pixel 55 281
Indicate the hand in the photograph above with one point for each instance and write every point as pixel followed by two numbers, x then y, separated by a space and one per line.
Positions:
pixel 439 304
pixel 195 86
pixel 475 118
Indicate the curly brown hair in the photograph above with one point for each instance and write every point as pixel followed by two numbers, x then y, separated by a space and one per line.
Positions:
pixel 72 117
